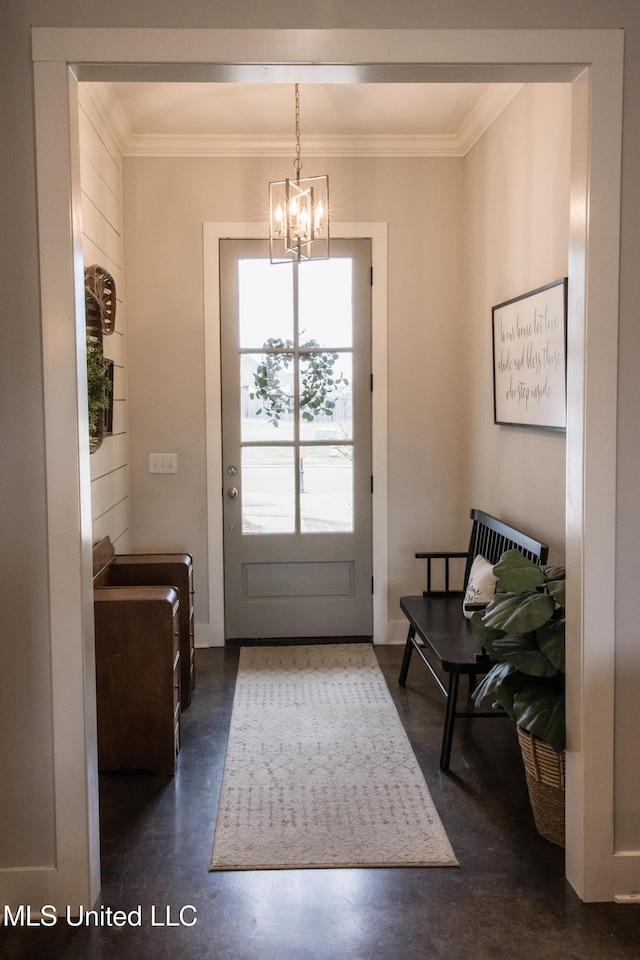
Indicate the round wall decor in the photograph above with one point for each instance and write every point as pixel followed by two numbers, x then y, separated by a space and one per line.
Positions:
pixel 100 296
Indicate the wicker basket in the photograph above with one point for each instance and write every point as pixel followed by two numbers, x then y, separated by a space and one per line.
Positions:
pixel 544 768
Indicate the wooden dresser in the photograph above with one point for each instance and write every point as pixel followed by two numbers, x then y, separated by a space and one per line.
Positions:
pixel 155 569
pixel 137 635
pixel 158 569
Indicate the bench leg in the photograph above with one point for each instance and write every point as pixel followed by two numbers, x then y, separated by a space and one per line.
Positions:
pixel 449 720
pixel 406 660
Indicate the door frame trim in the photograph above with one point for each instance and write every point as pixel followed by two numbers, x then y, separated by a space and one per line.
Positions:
pixel 593 61
pixel 212 633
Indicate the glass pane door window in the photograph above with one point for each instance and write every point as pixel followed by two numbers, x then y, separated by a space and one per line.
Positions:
pixel 296 396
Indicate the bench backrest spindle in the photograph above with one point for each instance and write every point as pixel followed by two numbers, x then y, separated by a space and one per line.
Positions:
pixel 491 537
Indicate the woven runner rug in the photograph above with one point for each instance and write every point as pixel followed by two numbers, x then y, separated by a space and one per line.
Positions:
pixel 319 771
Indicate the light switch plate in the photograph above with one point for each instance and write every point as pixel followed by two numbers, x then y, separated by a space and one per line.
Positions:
pixel 163 463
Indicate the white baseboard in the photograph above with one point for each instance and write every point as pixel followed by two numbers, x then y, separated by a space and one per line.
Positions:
pixel 208 635
pixel 396 632
pixel 30 888
pixel 626 876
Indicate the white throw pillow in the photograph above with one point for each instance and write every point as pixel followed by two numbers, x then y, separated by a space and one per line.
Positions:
pixel 481 586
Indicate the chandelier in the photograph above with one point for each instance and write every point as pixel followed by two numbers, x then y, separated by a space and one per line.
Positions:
pixel 299 212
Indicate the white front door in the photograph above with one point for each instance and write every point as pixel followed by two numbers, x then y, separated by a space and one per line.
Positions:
pixel 296 416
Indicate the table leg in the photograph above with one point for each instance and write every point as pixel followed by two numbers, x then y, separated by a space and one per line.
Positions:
pixel 404 669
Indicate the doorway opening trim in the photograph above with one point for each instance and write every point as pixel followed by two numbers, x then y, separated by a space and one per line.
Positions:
pixel 592 59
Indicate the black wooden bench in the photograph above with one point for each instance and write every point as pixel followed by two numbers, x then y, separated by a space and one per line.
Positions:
pixel 438 630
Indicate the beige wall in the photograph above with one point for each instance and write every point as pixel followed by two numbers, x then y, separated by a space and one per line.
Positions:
pixel 167 201
pixel 103 243
pixel 516 208
pixel 463 234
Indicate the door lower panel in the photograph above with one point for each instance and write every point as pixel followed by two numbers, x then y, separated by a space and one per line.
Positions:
pixel 304 580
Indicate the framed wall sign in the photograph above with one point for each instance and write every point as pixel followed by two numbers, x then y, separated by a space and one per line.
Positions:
pixel 529 358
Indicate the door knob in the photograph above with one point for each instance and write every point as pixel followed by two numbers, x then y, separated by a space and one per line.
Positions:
pixel 232 493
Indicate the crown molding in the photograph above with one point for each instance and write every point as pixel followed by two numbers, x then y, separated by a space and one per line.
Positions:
pixel 496 99
pixel 327 146
pixel 130 144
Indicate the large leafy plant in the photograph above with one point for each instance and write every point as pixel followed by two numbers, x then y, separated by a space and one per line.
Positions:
pixel 523 630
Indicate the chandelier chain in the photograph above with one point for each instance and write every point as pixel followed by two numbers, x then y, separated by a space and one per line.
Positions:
pixel 297 163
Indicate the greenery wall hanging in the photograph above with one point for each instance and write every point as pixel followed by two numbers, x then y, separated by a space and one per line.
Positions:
pixel 100 315
pixel 99 386
pixel 318 381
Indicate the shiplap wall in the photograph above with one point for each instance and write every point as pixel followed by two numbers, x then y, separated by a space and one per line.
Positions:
pixel 102 241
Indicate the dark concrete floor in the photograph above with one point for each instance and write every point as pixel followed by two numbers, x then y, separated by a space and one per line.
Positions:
pixel 507 900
